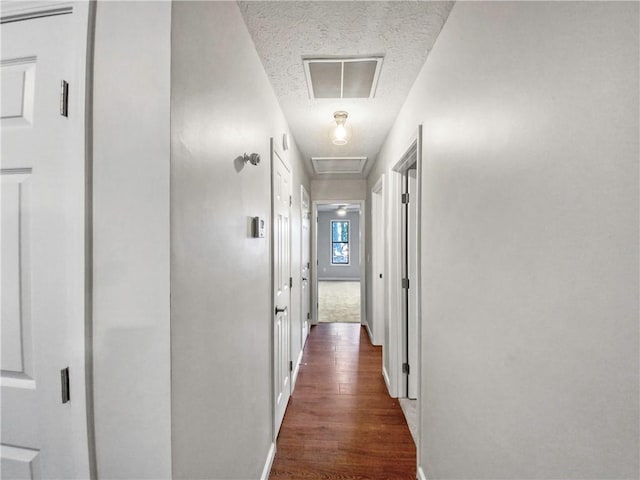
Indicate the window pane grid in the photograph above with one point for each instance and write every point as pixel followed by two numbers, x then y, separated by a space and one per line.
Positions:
pixel 340 242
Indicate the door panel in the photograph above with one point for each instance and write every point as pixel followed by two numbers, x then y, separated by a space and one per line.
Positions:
pixel 19 463
pixel 281 191
pixel 16 325
pixel 42 251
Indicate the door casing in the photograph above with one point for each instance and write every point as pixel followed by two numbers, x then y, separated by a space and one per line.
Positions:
pixel 396 379
pixel 314 258
pixel 305 256
pixel 378 262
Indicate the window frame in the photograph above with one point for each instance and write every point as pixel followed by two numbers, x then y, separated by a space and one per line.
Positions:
pixel 348 242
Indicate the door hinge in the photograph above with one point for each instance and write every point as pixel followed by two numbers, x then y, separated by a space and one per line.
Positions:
pixel 405 198
pixel 290 366
pixel 290 282
pixel 64 98
pixel 308 316
pixel 64 384
pixel 405 368
pixel 405 283
pixel 290 200
pixel 308 264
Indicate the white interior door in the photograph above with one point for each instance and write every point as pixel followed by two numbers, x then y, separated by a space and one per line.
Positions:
pixel 281 202
pixel 305 260
pixel 42 262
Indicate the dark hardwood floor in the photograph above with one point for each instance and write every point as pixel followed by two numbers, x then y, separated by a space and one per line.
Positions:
pixel 341 422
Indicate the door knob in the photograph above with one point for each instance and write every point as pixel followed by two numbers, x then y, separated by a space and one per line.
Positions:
pixel 280 310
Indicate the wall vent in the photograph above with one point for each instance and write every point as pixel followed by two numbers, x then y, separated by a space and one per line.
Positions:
pixel 342 77
pixel 338 164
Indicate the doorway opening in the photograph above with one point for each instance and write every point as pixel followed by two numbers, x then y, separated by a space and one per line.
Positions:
pixel 407 173
pixel 338 259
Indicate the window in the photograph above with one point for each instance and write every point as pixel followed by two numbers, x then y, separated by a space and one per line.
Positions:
pixel 340 242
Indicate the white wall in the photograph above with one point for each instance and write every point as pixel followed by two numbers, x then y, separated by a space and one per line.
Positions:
pixel 338 189
pixel 530 240
pixel 222 106
pixel 326 270
pixel 131 240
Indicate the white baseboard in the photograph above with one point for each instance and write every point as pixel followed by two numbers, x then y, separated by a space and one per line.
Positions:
pixel 296 370
pixel 267 465
pixel 386 379
pixel 421 475
pixel 366 325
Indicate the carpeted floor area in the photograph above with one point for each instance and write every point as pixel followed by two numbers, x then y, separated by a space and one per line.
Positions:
pixel 338 302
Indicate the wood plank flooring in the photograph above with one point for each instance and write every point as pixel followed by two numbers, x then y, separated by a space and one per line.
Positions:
pixel 341 422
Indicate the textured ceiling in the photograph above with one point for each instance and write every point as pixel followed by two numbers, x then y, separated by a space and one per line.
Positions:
pixel 285 32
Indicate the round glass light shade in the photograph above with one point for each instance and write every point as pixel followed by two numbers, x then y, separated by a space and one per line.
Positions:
pixel 340 133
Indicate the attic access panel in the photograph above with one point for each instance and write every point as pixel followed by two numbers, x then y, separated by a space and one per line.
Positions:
pixel 342 77
pixel 326 165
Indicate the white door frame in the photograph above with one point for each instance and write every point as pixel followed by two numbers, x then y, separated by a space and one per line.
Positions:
pixel 392 357
pixel 395 377
pixel 305 210
pixel 314 258
pixel 378 261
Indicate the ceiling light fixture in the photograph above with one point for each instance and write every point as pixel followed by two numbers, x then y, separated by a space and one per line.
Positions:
pixel 341 133
pixel 342 211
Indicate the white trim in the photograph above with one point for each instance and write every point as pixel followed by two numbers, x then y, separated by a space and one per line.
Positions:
pixel 378 264
pixel 269 462
pixel 385 375
pixel 314 256
pixel 397 349
pixel 366 325
pixel 363 262
pixel 421 474
pixel 419 246
pixel 296 370
pixel 305 210
pixel 393 268
pixel 379 185
pixel 408 158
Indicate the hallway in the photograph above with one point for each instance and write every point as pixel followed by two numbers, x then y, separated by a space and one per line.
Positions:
pixel 341 423
pixel 163 247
